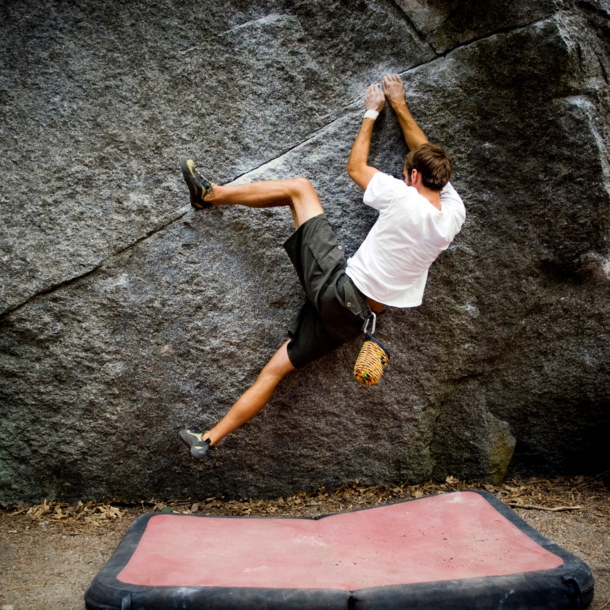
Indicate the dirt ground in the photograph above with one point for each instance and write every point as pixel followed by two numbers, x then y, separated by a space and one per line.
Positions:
pixel 49 553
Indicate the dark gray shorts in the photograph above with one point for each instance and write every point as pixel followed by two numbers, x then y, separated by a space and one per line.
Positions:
pixel 335 310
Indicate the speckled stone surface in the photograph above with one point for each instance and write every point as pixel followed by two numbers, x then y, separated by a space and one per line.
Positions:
pixel 127 316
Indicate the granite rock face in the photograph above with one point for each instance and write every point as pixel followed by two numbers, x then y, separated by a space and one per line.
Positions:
pixel 127 316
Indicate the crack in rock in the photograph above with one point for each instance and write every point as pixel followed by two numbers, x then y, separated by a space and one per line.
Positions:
pixel 506 30
pixel 414 29
pixel 348 107
pixel 310 137
pixel 55 287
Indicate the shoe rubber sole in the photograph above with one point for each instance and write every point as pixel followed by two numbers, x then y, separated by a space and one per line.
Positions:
pixel 198 446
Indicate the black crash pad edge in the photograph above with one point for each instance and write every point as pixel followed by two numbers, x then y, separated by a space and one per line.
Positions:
pixel 568 587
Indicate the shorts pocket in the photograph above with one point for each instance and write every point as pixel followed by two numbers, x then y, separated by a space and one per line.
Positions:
pixel 327 255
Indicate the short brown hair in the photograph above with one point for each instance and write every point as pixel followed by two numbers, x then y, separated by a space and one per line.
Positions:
pixel 432 162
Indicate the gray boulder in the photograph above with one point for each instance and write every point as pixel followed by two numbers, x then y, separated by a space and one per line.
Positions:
pixel 127 316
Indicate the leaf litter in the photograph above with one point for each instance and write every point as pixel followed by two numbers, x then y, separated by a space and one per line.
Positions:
pixel 581 493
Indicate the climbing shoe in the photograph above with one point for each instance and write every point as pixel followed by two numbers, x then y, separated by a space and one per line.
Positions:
pixel 198 446
pixel 199 186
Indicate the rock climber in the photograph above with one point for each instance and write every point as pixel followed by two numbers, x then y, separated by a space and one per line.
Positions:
pixel 418 218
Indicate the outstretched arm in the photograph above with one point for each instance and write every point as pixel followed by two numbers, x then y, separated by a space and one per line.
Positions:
pixel 395 94
pixel 357 165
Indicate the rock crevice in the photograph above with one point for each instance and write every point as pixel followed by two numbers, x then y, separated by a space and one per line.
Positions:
pixel 66 283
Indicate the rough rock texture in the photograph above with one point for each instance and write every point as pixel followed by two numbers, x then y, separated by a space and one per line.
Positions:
pixel 127 316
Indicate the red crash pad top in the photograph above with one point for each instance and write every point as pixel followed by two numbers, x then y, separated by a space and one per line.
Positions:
pixel 446 537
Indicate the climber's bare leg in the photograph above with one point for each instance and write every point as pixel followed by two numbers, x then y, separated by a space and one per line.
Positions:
pixel 255 397
pixel 304 204
pixel 297 193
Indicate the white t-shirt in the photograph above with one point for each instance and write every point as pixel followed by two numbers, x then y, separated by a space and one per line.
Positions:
pixel 391 265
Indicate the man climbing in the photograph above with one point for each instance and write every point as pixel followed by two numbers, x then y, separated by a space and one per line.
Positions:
pixel 418 219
